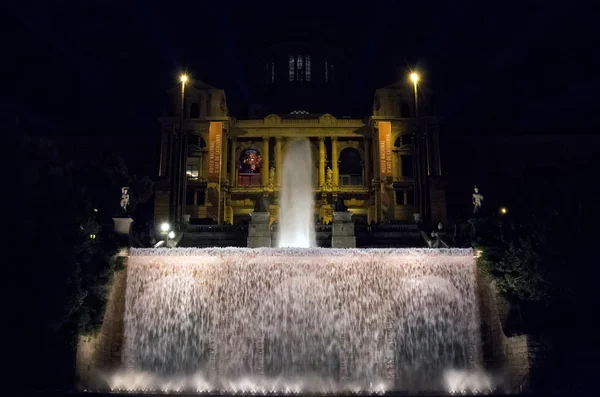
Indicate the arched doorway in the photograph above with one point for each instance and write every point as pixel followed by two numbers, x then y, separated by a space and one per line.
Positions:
pixel 350 170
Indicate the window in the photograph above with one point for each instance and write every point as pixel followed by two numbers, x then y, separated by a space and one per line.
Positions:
pixel 399 196
pixel 407 139
pixel 307 68
pixel 410 197
pixel 192 169
pixel 407 165
pixel 326 72
pixel 404 110
pixel 267 71
pixel 272 72
pixel 405 197
pixel 194 111
pixel 350 168
pixel 300 68
pixel 190 197
pixel 292 68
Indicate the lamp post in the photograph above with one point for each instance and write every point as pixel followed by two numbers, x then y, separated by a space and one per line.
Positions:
pixel 178 168
pixel 182 153
pixel 414 77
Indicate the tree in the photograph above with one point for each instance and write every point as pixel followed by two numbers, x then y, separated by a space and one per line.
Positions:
pixel 69 266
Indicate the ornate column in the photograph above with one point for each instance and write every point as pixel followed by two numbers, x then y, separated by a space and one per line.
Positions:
pixel 265 159
pixel 368 178
pixel 334 161
pixel 321 161
pixel 278 159
pixel 232 167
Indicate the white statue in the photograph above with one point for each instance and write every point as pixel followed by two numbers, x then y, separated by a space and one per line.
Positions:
pixel 124 198
pixel 329 179
pixel 477 199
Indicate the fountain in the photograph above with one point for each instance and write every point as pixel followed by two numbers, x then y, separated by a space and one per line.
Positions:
pixel 300 319
pixel 296 218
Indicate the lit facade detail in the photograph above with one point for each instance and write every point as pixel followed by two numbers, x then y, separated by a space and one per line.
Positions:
pixel 348 161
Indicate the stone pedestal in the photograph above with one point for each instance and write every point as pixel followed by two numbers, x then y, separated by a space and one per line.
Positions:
pixel 259 230
pixel 122 225
pixel 342 233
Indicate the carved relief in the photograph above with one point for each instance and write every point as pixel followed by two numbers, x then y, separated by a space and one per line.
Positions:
pixel 327 119
pixel 272 119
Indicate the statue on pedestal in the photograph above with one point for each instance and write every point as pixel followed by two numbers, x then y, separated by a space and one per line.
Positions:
pixel 124 198
pixel 262 205
pixel 477 199
pixel 329 179
pixel 339 205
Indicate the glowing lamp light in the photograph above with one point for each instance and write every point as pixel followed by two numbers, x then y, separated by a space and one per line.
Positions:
pixel 171 234
pixel 503 211
pixel 165 227
pixel 414 77
pixel 92 236
pixel 183 78
pixel 95 209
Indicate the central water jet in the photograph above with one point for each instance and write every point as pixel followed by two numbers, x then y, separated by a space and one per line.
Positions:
pixel 296 210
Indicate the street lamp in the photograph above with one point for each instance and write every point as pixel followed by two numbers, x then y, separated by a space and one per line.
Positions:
pixel 184 78
pixel 164 227
pixel 414 77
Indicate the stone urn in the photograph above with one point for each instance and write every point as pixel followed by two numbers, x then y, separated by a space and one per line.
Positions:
pixel 186 219
pixel 122 225
pixel 417 217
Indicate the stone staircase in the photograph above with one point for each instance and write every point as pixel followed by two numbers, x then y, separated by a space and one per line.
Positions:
pixel 367 236
pixel 401 235
pixel 204 236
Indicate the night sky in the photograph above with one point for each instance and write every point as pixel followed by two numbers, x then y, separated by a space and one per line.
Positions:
pixel 102 67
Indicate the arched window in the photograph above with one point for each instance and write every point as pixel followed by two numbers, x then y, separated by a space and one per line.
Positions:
pixel 403 140
pixel 249 168
pixel 350 168
pixel 404 110
pixel 194 111
pixel 197 141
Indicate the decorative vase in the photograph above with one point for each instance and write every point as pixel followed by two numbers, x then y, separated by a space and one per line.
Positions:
pixel 122 225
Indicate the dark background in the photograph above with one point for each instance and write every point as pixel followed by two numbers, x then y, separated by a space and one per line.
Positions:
pixel 511 68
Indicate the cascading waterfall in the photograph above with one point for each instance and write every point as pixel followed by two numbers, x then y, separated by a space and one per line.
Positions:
pixel 296 214
pixel 299 320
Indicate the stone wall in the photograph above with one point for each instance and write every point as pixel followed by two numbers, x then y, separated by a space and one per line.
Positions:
pixel 101 351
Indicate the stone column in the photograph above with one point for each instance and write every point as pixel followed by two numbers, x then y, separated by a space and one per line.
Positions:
pixel 278 159
pixel 265 159
pixel 224 159
pixel 334 161
pixel 321 161
pixel 367 181
pixel 232 164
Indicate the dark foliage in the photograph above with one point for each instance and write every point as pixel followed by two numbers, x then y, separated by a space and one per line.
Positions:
pixel 71 260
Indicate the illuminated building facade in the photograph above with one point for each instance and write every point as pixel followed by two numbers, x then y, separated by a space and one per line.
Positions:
pixel 373 162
